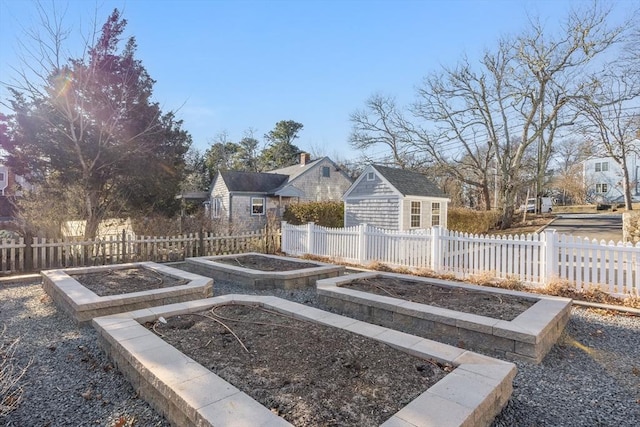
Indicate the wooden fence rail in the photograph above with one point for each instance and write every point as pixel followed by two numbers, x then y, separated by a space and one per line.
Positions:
pixel 536 259
pixel 41 254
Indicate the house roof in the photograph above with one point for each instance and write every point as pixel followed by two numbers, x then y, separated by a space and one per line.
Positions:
pixel 409 183
pixel 294 171
pixel 253 182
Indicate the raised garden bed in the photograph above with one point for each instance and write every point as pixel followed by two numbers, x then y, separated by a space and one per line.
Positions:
pixel 188 393
pixel 262 271
pixel 88 292
pixel 499 322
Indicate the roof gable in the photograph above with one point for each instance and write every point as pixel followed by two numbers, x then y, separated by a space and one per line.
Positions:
pixel 296 170
pixel 409 183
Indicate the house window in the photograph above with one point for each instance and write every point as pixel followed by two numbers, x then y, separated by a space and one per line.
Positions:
pixel 1 176
pixel 371 176
pixel 326 172
pixel 257 206
pixel 602 188
pixel 435 214
pixel 602 166
pixel 415 214
pixel 216 207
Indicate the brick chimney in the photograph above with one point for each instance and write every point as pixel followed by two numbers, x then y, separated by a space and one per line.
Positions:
pixel 304 158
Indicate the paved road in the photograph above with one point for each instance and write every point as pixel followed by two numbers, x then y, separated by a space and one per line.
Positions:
pixel 593 226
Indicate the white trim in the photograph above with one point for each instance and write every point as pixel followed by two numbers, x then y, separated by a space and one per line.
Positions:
pixel 264 206
pixel 363 176
pixel 411 202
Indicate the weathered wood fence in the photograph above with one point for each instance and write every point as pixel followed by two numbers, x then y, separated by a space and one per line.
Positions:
pixel 536 259
pixel 41 254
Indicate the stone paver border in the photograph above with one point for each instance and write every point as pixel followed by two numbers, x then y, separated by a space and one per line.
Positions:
pixel 83 305
pixel 188 394
pixel 528 337
pixel 256 279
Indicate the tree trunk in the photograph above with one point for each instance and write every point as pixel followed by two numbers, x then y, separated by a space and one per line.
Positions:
pixel 92 217
pixel 626 186
pixel 487 195
pixel 508 194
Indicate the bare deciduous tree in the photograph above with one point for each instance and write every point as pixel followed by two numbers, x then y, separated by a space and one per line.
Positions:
pixel 517 98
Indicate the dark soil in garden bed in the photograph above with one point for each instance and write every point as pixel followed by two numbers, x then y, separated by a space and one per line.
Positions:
pixel 126 280
pixel 489 304
pixel 263 263
pixel 309 374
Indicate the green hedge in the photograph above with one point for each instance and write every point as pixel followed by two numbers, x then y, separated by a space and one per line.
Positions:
pixel 326 214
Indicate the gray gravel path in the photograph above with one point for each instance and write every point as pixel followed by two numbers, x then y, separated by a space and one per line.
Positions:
pixel 591 378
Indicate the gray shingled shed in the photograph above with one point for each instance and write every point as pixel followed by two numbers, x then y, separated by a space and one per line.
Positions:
pixel 394 199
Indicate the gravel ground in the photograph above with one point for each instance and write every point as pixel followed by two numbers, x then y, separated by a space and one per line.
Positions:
pixel 590 378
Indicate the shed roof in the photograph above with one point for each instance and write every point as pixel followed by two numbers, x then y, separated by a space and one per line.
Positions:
pixel 410 183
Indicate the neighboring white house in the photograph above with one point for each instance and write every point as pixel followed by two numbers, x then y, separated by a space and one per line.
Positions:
pixel 603 178
pixel 394 199
pixel 245 198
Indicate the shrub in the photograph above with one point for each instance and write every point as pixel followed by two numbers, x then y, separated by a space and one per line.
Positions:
pixel 11 375
pixel 326 214
pixel 470 221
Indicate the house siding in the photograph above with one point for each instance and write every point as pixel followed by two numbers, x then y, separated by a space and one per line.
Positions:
pixel 611 177
pixel 376 187
pixel 319 188
pixel 426 210
pixel 379 212
pixel 220 190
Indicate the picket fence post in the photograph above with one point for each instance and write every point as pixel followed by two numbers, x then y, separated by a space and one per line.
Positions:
pixel 550 259
pixel 283 238
pixel 310 236
pixel 436 255
pixel 362 243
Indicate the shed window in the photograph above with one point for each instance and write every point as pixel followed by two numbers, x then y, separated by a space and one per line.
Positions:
pixel 257 206
pixel 415 214
pixel 326 172
pixel 435 214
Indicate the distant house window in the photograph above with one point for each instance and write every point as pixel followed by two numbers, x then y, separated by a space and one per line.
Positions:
pixel 371 176
pixel 435 214
pixel 602 166
pixel 602 188
pixel 1 176
pixel 216 207
pixel 326 172
pixel 415 214
pixel 257 206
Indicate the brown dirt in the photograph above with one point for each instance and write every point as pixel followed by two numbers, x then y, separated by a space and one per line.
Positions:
pixel 489 304
pixel 309 374
pixel 262 263
pixel 127 280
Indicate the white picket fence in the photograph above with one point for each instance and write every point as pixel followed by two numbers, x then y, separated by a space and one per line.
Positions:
pixel 535 259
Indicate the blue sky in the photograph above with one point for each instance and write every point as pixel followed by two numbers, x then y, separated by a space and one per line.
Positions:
pixel 234 65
